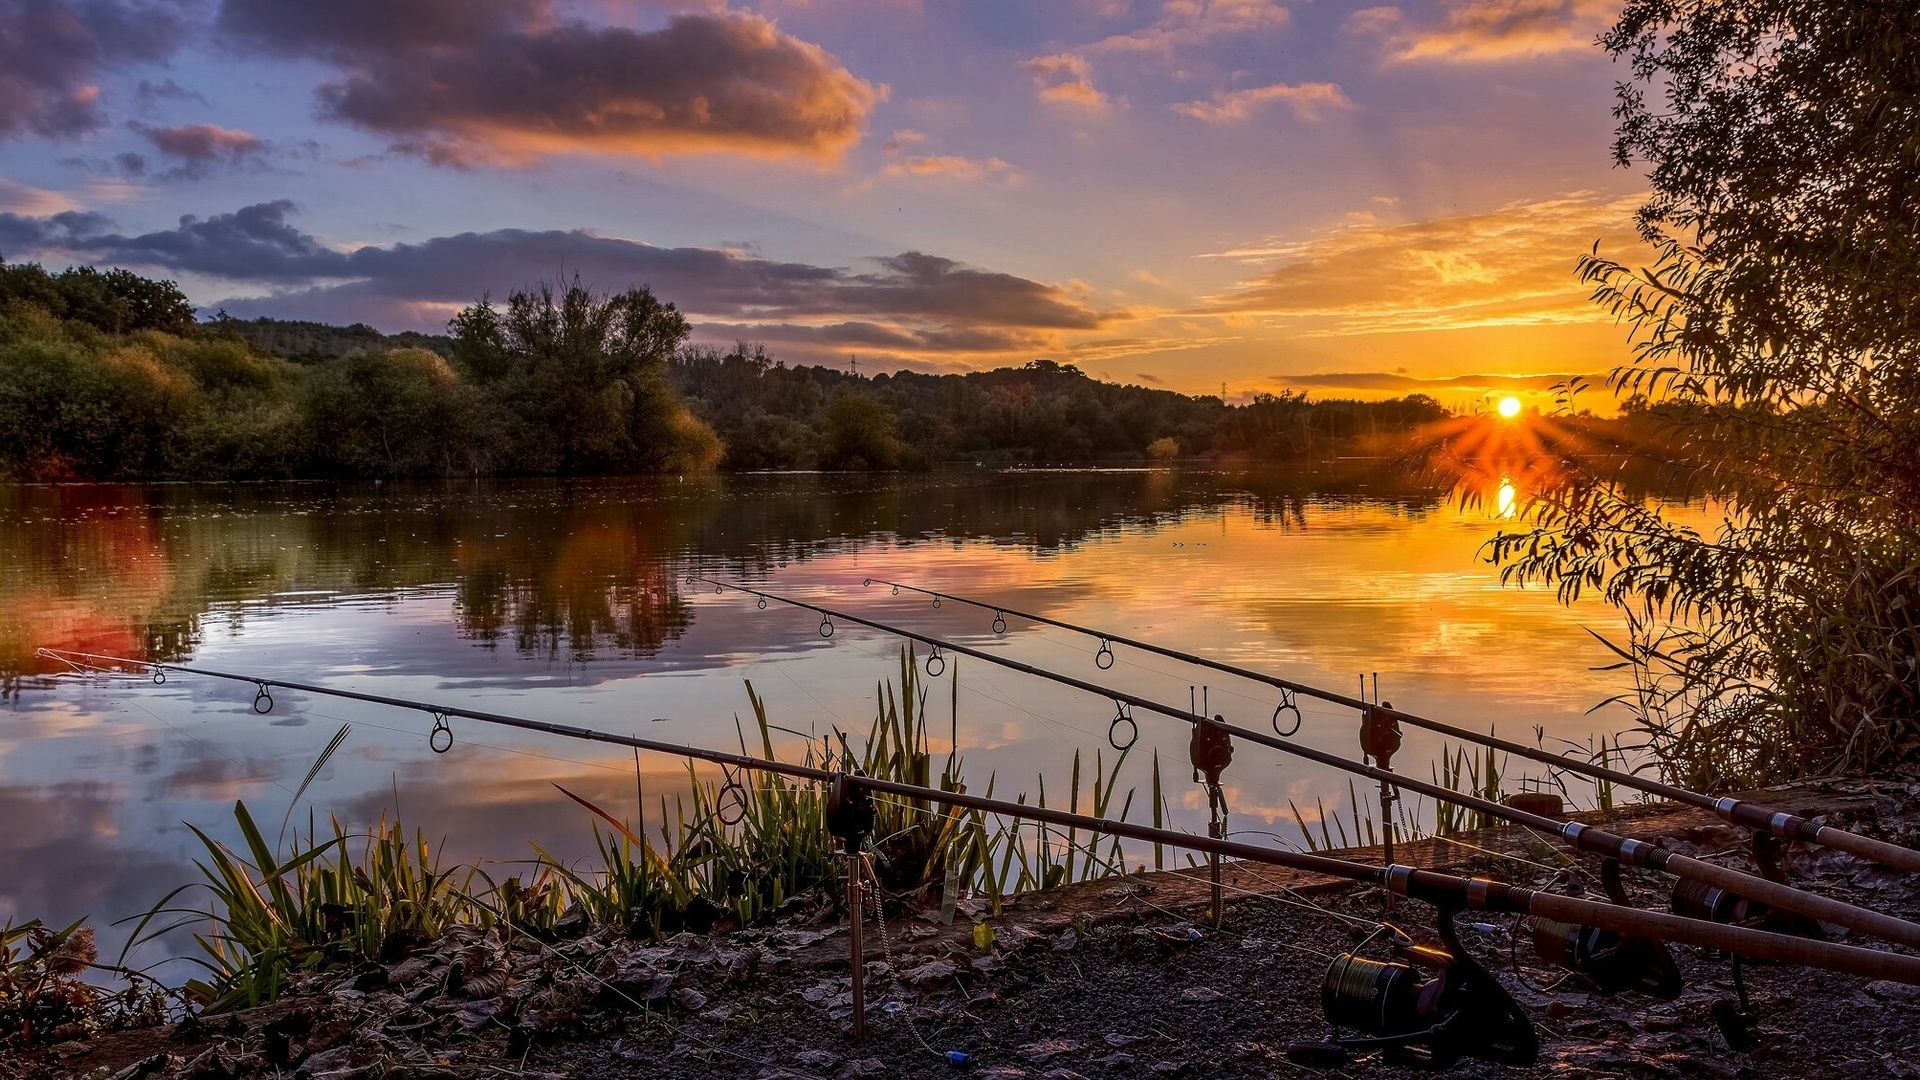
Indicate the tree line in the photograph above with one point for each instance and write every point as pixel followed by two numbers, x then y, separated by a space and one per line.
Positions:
pixel 106 375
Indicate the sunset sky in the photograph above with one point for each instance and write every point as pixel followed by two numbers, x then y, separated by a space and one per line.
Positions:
pixel 1310 194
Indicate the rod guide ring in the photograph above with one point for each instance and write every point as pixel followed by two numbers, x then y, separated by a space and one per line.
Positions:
pixel 936 663
pixel 261 695
pixel 730 805
pixel 826 626
pixel 440 739
pixel 1122 715
pixel 999 623
pixel 1104 658
pixel 1288 704
pixel 159 676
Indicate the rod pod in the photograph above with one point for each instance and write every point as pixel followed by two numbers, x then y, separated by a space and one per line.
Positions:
pixel 849 818
pixel 1578 835
pixel 1427 886
pixel 1739 812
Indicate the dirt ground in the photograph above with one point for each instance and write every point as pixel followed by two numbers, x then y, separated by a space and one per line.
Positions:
pixel 1116 978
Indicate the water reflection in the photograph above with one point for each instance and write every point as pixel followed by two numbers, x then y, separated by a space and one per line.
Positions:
pixel 567 602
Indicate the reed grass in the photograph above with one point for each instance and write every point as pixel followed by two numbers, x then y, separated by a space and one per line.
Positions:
pixel 730 852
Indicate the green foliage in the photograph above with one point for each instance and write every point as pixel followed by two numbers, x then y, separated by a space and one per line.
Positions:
pixel 584 374
pixel 727 856
pixel 400 413
pixel 772 416
pixel 860 434
pixel 103 376
pixel 42 996
pixel 112 301
pixel 1780 324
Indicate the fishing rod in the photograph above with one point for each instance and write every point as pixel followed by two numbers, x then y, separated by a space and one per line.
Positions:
pixel 1441 890
pixel 1738 812
pixel 1625 850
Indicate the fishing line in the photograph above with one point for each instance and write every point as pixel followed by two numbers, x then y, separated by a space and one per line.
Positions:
pixel 1752 816
pixel 1291 945
pixel 645 1010
pixel 1448 892
pixel 1580 835
pixel 1007 701
pixel 780 666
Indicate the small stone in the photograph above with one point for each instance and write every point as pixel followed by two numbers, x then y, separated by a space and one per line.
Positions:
pixel 936 973
pixel 1193 994
pixel 1116 1039
pixel 1893 991
pixel 690 999
pixel 1167 1068
pixel 817 1059
pixel 859 1067
pixel 1066 940
pixel 1046 1049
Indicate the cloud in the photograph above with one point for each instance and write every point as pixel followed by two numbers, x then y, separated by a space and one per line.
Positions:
pixel 17 198
pixel 1395 382
pixel 198 147
pixel 1184 23
pixel 901 139
pixel 508 81
pixel 52 50
pixel 1067 79
pixel 1510 267
pixel 1480 31
pixel 913 301
pixel 948 166
pixel 345 29
pixel 1309 101
pixel 151 94
pixel 961 168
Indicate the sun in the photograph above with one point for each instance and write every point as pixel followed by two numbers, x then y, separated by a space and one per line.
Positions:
pixel 1509 407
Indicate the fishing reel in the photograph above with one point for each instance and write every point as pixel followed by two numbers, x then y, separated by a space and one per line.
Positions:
pixel 1698 900
pixel 1428 1006
pixel 1607 959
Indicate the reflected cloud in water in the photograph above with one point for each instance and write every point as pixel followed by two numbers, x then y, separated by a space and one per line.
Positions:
pixel 569 602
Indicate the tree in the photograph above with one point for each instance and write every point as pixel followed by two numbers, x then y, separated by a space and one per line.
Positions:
pixel 392 414
pixel 860 434
pixel 115 301
pixel 1781 320
pixel 583 374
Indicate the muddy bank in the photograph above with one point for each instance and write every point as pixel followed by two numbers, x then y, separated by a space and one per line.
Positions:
pixel 1114 978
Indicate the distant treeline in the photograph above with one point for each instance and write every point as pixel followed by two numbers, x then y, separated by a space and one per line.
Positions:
pixel 106 375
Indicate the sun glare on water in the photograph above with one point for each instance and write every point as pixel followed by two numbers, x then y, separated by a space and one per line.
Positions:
pixel 1509 407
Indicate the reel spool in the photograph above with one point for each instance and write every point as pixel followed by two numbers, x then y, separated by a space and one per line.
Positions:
pixel 1607 959
pixel 1429 1006
pixel 1611 961
pixel 1698 900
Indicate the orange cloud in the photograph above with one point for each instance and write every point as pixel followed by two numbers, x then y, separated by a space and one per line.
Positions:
pixel 961 168
pixel 506 81
pixel 17 198
pixel 1511 267
pixel 1309 101
pixel 1068 79
pixel 1193 22
pixel 1478 31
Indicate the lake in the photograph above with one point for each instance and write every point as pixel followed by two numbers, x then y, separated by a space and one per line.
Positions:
pixel 567 601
